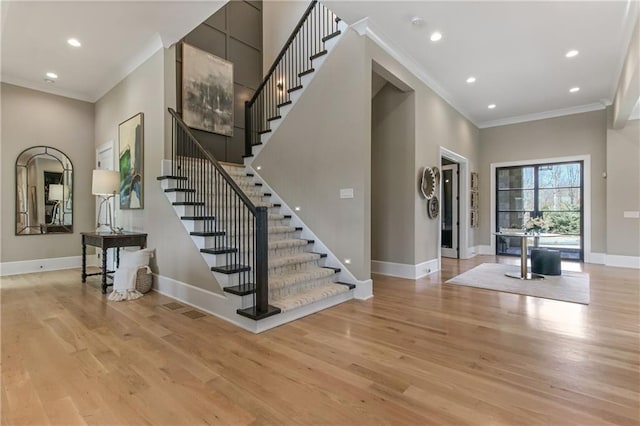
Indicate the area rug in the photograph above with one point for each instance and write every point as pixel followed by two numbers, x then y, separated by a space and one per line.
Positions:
pixel 569 287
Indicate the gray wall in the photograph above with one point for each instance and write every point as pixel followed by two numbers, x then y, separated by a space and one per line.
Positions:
pixel 325 142
pixel 578 134
pixel 437 124
pixel 392 183
pixel 32 118
pixel 280 17
pixel 323 145
pixel 623 189
pixel 144 91
pixel 234 33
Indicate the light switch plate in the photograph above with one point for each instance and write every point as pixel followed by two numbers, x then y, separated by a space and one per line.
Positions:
pixel 632 215
pixel 346 193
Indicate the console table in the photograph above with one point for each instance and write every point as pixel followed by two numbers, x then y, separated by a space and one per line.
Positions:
pixel 106 241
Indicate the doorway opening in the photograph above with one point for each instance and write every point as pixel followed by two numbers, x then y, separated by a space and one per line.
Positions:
pixel 450 222
pixel 392 181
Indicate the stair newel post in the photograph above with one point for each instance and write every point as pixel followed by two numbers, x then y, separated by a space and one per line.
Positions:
pixel 248 128
pixel 262 260
pixel 173 146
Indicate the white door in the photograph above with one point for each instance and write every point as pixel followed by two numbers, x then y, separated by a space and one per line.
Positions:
pixel 104 160
pixel 449 215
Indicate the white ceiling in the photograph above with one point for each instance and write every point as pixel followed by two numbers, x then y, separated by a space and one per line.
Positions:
pixel 116 37
pixel 515 49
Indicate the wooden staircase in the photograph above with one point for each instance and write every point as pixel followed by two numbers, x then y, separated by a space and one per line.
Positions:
pixel 268 271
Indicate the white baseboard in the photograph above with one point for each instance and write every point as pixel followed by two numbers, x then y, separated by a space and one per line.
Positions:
pixel 623 261
pixel 599 258
pixel 41 265
pixel 481 249
pixel 205 300
pixel 363 290
pixel 222 307
pixel 403 270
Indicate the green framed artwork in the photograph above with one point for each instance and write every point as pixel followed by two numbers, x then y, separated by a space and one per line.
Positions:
pixel 131 160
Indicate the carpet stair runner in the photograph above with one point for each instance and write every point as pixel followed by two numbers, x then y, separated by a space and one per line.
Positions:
pixel 297 275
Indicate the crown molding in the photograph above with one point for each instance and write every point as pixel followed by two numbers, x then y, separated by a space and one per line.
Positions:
pixel 50 88
pixel 543 115
pixel 152 46
pixel 365 27
pixel 112 80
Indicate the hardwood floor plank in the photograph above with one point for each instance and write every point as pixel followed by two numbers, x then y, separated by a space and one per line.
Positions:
pixel 419 352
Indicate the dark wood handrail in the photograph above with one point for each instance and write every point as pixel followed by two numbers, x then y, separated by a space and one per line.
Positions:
pixel 215 163
pixel 293 35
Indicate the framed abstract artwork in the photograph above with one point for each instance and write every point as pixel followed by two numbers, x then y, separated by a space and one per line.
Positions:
pixel 207 91
pixel 131 160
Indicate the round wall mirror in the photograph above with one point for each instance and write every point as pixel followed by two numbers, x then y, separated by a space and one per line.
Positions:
pixel 44 192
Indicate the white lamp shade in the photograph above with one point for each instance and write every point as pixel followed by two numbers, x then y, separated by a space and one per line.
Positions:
pixel 56 192
pixel 105 182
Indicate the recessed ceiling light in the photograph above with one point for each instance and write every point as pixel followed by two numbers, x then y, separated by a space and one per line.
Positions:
pixel 492 106
pixel 436 36
pixel 574 89
pixel 52 75
pixel 74 42
pixel 571 53
pixel 471 80
pixel 417 21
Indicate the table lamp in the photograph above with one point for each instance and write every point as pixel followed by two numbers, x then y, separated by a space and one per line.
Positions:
pixel 105 185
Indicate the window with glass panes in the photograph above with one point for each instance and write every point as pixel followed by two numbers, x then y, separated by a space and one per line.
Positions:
pixel 551 191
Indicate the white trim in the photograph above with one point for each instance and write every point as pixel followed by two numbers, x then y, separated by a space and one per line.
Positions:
pixel 40 86
pixel 363 290
pixel 205 300
pixel 289 316
pixel 623 261
pixel 42 265
pixel 223 308
pixel 586 159
pixel 364 27
pixel 543 115
pixel 142 55
pixel 485 250
pixel 464 179
pixel 598 258
pixel 403 270
pixel 454 251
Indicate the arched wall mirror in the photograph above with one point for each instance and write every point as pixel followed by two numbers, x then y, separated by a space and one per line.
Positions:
pixel 44 192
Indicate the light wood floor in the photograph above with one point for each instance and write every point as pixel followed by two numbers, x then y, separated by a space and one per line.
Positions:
pixel 419 352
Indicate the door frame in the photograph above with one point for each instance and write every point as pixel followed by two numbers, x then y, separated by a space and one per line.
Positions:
pixel 453 252
pixel 464 185
pixel 586 206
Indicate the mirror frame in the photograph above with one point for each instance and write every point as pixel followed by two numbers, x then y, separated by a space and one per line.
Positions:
pixel 52 153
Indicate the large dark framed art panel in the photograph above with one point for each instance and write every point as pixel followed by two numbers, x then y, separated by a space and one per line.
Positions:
pixel 207 91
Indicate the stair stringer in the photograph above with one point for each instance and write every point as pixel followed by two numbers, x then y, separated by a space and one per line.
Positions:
pixel 364 289
pixel 295 96
pixel 225 305
pixel 222 280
